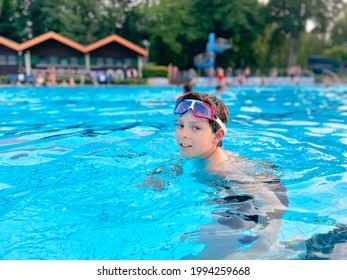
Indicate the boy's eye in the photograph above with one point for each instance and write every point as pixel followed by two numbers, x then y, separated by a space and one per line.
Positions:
pixel 179 125
pixel 196 128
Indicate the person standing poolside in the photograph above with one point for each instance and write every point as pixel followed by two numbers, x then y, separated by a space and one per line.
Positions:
pixel 220 76
pixel 201 126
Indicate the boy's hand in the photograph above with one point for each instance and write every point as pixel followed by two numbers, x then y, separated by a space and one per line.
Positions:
pixel 157 184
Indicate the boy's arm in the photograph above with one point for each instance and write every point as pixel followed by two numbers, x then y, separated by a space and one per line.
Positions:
pixel 271 210
pixel 157 183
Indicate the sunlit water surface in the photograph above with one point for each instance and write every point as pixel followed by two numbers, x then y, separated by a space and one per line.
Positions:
pixel 74 164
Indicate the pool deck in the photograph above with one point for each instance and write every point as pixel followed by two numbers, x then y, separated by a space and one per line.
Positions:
pixel 257 81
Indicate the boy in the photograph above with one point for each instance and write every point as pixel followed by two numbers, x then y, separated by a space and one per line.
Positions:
pixel 262 198
pixel 201 128
pixel 199 133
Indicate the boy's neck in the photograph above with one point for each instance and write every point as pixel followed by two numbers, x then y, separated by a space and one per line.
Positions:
pixel 216 159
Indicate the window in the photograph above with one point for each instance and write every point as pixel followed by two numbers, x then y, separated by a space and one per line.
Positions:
pixel 3 59
pixel 100 61
pixel 127 62
pixel 64 61
pixel 73 60
pixel 119 63
pixel 42 60
pixel 109 61
pixel 53 60
pixel 11 60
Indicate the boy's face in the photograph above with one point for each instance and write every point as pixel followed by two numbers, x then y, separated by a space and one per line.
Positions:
pixel 194 136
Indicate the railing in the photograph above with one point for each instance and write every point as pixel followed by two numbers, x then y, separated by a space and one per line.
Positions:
pixel 329 72
pixel 13 78
pixel 308 72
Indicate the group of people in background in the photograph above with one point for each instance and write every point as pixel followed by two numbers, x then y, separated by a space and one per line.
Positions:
pixel 224 77
pixel 48 78
pixel 227 77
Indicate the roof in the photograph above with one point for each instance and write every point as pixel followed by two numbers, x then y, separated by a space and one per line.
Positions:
pixel 52 35
pixel 117 39
pixel 8 43
pixel 68 42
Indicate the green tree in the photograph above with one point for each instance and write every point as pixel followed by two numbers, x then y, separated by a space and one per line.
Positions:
pixel 122 17
pixel 310 44
pixel 338 54
pixel 89 20
pixel 39 17
pixel 14 22
pixel 290 18
pixel 263 48
pixel 240 20
pixel 23 19
pixel 172 30
pixel 7 11
pixel 82 20
pixel 1 3
pixel 179 29
pixel 76 19
pixel 339 31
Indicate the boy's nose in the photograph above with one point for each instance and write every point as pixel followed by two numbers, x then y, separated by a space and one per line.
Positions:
pixel 184 133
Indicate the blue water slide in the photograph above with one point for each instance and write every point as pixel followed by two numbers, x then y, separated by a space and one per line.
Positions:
pixel 214 46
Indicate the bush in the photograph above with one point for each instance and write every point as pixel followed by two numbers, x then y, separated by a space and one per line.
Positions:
pixel 152 71
pixel 3 80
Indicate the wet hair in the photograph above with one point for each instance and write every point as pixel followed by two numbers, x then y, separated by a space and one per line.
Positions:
pixel 221 110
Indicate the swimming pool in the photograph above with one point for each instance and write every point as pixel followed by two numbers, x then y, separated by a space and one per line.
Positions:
pixel 73 162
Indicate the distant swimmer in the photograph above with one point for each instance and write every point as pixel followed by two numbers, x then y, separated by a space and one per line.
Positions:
pixel 219 90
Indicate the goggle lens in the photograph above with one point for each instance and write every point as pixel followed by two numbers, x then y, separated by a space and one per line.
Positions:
pixel 199 109
pixel 182 107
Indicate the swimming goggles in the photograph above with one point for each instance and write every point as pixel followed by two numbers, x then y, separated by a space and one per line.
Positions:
pixel 199 109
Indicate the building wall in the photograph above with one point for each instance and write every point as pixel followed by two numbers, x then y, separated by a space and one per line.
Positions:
pixel 8 61
pixel 115 60
pixel 68 61
pixel 55 53
pixel 53 48
pixel 114 50
pixel 8 69
pixel 6 51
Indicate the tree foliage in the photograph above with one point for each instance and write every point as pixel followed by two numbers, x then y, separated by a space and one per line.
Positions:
pixel 339 31
pixel 6 18
pixel 290 18
pixel 263 35
pixel 338 54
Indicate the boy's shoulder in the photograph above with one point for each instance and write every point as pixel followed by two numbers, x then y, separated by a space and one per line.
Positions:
pixel 243 169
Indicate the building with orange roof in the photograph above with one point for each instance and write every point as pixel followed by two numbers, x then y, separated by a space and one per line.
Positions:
pixel 9 60
pixel 113 56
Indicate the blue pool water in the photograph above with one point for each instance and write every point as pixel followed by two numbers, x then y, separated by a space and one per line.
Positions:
pixel 74 164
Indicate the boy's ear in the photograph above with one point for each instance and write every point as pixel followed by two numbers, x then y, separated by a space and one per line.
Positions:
pixel 218 136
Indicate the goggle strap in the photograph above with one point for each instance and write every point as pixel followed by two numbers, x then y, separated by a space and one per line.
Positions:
pixel 221 124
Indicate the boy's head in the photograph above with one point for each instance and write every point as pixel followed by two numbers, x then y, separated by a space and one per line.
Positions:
pixel 187 88
pixel 221 111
